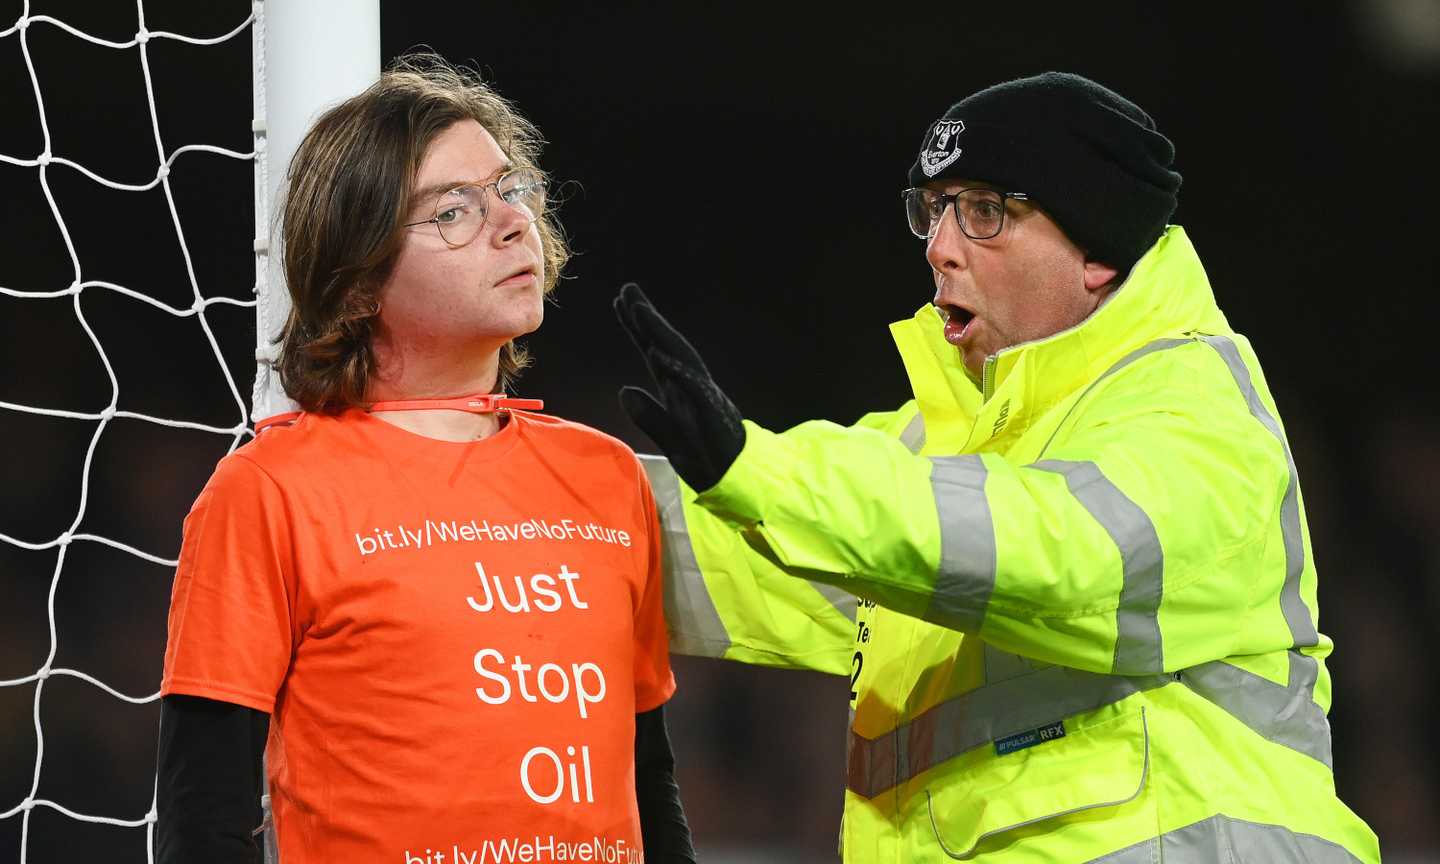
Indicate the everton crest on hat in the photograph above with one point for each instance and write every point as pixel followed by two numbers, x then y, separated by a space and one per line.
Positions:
pixel 941 147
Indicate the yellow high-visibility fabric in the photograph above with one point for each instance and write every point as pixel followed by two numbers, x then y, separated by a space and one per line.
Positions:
pixel 1089 617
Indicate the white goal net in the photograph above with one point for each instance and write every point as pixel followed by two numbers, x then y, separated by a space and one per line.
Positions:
pixel 134 258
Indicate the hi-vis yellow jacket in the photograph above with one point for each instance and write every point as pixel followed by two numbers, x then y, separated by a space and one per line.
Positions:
pixel 1088 622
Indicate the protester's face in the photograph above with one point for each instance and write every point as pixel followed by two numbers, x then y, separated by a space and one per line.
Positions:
pixel 1026 283
pixel 443 300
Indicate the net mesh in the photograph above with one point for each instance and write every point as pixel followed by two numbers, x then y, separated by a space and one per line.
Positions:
pixel 84 559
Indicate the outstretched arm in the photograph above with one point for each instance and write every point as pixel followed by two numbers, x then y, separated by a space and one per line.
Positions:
pixel 1157 505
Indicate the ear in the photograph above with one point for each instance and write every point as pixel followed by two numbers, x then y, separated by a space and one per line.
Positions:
pixel 1098 275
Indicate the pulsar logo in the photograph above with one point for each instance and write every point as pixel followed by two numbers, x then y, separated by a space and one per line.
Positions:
pixel 1001 419
pixel 942 146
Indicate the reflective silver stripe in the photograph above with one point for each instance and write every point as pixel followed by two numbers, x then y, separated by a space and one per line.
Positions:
pixel 1235 841
pixel 843 601
pixel 1302 725
pixel 1297 614
pixel 1287 715
pixel 1139 649
pixel 1147 348
pixel 870 766
pixel 980 716
pixel 695 625
pixel 913 436
pixel 966 576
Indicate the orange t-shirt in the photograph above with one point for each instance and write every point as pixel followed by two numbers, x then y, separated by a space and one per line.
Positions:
pixel 452 639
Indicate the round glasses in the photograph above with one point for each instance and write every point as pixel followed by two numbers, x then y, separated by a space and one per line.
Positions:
pixel 460 212
pixel 979 212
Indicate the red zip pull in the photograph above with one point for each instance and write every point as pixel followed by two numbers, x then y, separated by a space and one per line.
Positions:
pixel 501 402
pixel 483 403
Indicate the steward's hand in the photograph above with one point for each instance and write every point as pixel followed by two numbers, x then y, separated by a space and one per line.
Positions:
pixel 692 420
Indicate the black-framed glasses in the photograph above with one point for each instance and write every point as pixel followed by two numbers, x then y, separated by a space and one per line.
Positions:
pixel 979 212
pixel 460 212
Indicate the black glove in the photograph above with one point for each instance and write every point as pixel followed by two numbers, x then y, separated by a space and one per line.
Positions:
pixel 693 421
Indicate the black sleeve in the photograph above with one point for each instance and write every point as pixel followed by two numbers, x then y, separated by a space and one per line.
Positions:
pixel 663 829
pixel 209 781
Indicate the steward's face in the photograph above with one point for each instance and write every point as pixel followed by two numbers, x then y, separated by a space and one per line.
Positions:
pixel 1025 283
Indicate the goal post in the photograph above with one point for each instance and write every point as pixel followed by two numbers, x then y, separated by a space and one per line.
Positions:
pixel 309 55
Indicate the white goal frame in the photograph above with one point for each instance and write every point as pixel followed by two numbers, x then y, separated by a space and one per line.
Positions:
pixel 309 55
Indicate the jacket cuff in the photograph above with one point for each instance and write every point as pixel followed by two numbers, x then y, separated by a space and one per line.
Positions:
pixel 753 478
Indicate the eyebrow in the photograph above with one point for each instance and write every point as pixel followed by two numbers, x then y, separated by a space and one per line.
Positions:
pixel 425 193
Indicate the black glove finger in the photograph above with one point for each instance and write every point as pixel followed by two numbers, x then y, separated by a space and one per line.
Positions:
pixel 696 404
pixel 653 334
pixel 624 305
pixel 688 400
pixel 661 335
pixel 654 420
pixel 676 438
pixel 683 387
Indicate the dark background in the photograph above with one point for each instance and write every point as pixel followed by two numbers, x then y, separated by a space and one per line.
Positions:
pixel 743 164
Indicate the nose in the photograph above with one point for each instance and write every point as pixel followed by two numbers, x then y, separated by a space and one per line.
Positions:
pixel 946 249
pixel 508 222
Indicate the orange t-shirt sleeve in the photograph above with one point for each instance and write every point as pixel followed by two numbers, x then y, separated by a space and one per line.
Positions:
pixel 654 682
pixel 230 633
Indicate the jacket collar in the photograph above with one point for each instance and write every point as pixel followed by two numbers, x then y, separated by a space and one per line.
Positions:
pixel 1166 294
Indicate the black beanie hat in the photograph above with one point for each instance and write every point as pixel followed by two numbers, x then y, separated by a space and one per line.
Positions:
pixel 1087 155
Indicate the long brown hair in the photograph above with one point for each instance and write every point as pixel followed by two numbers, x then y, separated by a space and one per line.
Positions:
pixel 350 184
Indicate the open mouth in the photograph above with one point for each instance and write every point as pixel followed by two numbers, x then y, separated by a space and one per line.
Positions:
pixel 958 320
pixel 957 313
